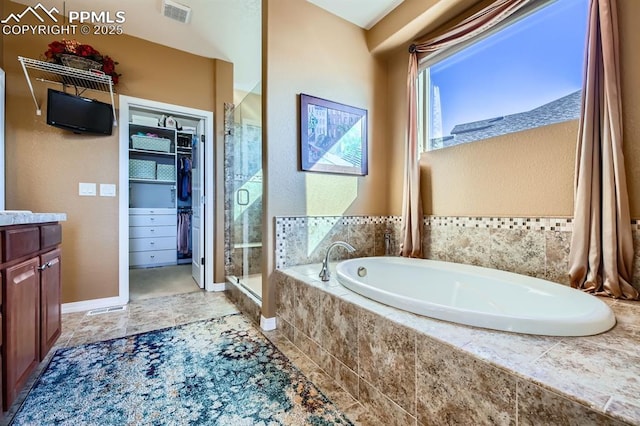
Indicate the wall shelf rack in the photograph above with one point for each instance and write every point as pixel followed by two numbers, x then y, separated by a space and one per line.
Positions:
pixel 82 80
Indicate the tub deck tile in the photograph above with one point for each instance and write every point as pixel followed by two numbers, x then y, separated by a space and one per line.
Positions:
pixel 447 332
pixel 338 335
pixel 387 355
pixel 537 406
pixel 510 350
pixel 595 379
pixel 456 388
pixel 388 412
pixel 589 372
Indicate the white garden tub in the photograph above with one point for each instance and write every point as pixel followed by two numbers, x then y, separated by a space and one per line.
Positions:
pixel 477 296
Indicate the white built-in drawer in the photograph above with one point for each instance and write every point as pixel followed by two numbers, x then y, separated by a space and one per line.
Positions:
pixel 153 220
pixel 146 244
pixel 153 231
pixel 153 258
pixel 138 211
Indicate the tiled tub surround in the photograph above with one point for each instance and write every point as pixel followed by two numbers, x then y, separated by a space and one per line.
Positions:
pixel 537 247
pixel 415 370
pixel 305 239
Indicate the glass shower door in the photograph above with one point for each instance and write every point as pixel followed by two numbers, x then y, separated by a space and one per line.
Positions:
pixel 244 195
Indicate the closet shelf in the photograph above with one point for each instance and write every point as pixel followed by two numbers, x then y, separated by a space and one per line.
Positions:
pixel 149 152
pixel 48 72
pixel 143 180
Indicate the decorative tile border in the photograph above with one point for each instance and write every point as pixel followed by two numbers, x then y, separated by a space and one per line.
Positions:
pixel 536 224
pixel 536 247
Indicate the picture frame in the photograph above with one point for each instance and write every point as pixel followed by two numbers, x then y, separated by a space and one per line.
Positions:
pixel 333 137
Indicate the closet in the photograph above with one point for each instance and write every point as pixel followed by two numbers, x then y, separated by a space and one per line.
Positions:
pixel 161 149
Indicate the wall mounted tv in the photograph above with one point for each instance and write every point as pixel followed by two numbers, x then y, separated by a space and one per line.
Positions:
pixel 78 114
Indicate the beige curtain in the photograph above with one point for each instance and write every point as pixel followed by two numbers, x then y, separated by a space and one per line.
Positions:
pixel 601 256
pixel 470 27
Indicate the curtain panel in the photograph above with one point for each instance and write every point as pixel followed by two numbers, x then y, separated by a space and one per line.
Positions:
pixel 470 27
pixel 601 254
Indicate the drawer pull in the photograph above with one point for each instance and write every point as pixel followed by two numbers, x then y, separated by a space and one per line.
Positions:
pixel 152 242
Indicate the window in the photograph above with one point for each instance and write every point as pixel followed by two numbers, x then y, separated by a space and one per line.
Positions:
pixel 526 73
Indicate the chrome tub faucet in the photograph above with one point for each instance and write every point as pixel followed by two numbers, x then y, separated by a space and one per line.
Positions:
pixel 324 274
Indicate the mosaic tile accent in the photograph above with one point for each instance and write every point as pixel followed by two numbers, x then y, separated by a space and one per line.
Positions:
pixel 540 224
pixel 537 247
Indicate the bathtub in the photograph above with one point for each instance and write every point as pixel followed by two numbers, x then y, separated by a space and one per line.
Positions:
pixel 477 296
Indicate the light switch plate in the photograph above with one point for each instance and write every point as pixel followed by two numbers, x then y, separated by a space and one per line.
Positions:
pixel 107 190
pixel 87 189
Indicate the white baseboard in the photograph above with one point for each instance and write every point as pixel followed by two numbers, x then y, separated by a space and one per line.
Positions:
pixel 215 287
pixel 267 324
pixel 87 305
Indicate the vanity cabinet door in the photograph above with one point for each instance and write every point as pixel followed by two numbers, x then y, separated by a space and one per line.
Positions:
pixel 50 301
pixel 21 326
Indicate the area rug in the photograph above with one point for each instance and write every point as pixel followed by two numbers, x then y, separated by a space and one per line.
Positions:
pixel 221 371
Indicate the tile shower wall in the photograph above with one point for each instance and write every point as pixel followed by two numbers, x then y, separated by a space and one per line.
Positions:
pixel 537 247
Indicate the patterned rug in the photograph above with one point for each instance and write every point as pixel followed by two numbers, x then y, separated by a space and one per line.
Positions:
pixel 221 371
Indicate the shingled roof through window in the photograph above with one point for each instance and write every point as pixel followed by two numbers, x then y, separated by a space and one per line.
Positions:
pixel 562 109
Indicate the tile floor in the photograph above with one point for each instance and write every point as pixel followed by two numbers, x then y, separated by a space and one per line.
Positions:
pixel 152 314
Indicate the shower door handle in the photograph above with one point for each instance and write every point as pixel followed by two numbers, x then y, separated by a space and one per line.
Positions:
pixel 240 200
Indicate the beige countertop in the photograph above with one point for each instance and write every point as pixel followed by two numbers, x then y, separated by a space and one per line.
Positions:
pixel 23 217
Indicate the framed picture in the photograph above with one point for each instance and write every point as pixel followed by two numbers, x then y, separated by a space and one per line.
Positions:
pixel 333 137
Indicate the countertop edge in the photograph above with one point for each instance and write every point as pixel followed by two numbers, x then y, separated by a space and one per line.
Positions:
pixel 24 218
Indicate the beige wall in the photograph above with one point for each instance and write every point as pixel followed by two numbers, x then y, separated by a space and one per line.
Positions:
pixel 523 174
pixel 45 165
pixel 628 11
pixel 307 50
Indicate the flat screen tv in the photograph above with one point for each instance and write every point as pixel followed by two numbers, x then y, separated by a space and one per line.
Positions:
pixel 78 114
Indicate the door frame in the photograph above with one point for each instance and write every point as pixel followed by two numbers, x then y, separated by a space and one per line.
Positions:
pixel 125 103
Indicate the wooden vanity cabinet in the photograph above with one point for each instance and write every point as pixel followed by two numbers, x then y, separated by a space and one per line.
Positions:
pixel 31 296
pixel 50 303
pixel 21 316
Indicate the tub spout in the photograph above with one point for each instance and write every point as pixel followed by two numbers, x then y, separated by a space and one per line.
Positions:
pixel 324 272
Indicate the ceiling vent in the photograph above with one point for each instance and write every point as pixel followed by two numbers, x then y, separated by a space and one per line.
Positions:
pixel 176 11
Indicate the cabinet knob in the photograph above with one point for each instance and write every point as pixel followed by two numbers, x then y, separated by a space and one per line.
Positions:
pixel 152 242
